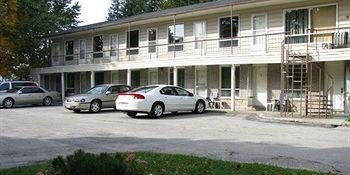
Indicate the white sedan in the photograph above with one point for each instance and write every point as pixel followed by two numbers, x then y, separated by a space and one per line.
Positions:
pixel 157 99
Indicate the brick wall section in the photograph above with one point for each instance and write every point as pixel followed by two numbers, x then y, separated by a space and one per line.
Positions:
pixel 163 75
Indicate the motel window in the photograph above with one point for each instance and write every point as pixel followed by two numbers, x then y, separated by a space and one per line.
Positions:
pixel 298 21
pixel 98 46
pixel 70 83
pixel 226 31
pixel 176 36
pixel 99 78
pixel 82 49
pixel 152 40
pixel 56 52
pixel 180 77
pixel 132 42
pixel 135 78
pixel 69 50
pixel 297 85
pixel 297 24
pixel 226 81
pixel 113 42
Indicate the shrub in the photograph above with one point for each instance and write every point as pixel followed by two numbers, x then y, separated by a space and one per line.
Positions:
pixel 81 163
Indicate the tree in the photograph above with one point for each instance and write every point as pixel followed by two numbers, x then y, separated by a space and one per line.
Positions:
pixel 125 8
pixel 114 11
pixel 8 11
pixel 29 46
pixel 179 3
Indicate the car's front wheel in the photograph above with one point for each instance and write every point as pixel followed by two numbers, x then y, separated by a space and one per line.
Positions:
pixel 95 106
pixel 157 110
pixel 8 103
pixel 47 101
pixel 200 107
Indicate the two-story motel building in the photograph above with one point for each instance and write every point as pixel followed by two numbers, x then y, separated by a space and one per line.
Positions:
pixel 232 48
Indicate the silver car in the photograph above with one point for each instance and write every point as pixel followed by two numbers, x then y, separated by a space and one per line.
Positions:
pixel 28 95
pixel 100 96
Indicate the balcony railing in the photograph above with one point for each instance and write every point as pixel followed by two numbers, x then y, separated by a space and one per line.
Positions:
pixel 316 40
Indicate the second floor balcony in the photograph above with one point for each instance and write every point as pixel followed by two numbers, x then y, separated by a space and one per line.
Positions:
pixel 314 42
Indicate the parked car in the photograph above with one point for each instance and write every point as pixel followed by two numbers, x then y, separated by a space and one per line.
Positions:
pixel 157 99
pixel 7 85
pixel 100 96
pixel 28 95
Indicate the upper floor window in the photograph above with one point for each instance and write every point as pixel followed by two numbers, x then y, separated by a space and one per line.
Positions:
pixel 69 50
pixel 132 42
pixel 227 30
pixel 176 36
pixel 152 40
pixel 301 24
pixel 297 24
pixel 56 52
pixel 82 49
pixel 98 46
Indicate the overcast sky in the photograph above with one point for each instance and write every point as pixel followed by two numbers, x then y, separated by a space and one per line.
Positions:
pixel 93 11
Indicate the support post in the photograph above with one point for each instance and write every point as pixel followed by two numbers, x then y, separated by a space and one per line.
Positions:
pixel 175 76
pixel 174 21
pixel 231 17
pixel 92 79
pixel 39 79
pixel 233 85
pixel 62 87
pixel 128 77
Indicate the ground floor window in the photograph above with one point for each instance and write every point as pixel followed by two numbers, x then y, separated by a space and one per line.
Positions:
pixel 180 77
pixel 135 78
pixel 226 81
pixel 296 84
pixel 70 84
pixel 99 78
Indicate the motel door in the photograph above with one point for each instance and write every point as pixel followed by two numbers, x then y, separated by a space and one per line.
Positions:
pixel 259 31
pixel 201 82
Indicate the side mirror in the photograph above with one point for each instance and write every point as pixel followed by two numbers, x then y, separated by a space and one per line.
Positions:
pixel 191 94
pixel 108 92
pixel 20 92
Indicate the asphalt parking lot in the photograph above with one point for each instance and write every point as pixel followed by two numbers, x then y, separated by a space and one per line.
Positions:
pixel 34 134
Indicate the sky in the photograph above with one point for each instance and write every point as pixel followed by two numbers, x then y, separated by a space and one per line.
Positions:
pixel 93 11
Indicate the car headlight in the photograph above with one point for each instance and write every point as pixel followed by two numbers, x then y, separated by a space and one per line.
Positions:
pixel 79 100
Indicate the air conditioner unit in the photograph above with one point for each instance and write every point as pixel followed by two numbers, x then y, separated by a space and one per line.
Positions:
pixel 340 39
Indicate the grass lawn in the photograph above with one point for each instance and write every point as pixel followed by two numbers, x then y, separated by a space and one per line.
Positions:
pixel 170 164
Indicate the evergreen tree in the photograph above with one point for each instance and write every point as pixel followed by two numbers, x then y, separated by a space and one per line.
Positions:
pixel 114 11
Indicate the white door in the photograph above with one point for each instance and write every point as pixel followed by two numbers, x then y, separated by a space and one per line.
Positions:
pixel 259 27
pixel 153 76
pixel 260 85
pixel 199 33
pixel 113 44
pixel 82 51
pixel 201 82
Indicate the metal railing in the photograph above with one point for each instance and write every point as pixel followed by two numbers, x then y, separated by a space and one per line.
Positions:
pixel 241 45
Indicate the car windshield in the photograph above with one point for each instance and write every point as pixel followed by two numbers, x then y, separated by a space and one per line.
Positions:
pixel 14 90
pixel 144 89
pixel 97 90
